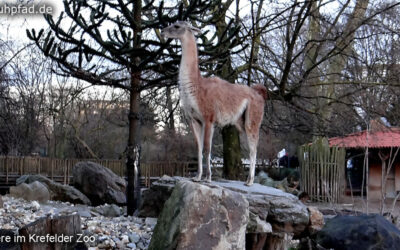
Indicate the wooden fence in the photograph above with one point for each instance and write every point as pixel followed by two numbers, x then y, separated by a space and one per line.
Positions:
pixel 322 171
pixel 60 170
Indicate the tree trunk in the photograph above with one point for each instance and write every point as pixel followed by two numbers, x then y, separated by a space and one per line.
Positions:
pixel 232 168
pixel 171 121
pixel 231 149
pixel 133 148
pixel 343 47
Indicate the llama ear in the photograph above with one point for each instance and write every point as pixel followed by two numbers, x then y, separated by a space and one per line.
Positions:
pixel 195 31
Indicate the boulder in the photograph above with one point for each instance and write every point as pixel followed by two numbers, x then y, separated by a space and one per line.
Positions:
pixel 8 241
pixel 99 183
pixel 359 232
pixel 108 210
pixel 1 202
pixel 153 198
pixel 269 207
pixel 58 191
pixel 35 191
pixel 200 216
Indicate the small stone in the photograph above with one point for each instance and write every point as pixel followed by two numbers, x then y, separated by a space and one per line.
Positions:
pixel 120 244
pixel 91 223
pixel 125 238
pixel 102 246
pixel 98 230
pixel 146 236
pixel 140 245
pixel 131 245
pixel 35 206
pixel 151 222
pixel 134 237
pixel 112 243
pixel 103 238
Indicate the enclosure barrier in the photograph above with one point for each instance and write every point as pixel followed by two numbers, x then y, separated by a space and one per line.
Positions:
pixel 322 171
pixel 60 170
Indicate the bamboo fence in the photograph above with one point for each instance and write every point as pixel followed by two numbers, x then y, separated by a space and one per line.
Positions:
pixel 322 171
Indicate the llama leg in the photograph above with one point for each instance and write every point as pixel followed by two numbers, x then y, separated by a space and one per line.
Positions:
pixel 198 132
pixel 253 118
pixel 208 134
pixel 252 140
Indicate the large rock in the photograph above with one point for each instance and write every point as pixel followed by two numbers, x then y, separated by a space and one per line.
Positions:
pixel 1 202
pixel 153 198
pixel 197 216
pixel 359 232
pixel 58 191
pixel 269 208
pixel 35 191
pixel 99 183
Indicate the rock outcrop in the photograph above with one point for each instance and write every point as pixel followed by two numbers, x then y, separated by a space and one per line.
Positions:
pixel 272 212
pixel 201 217
pixel 359 232
pixel 57 191
pixel 99 183
pixel 269 208
pixel 35 191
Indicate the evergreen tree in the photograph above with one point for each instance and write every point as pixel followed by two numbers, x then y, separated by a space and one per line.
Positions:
pixel 117 44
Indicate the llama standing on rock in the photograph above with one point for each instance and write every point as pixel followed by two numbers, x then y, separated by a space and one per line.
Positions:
pixel 209 101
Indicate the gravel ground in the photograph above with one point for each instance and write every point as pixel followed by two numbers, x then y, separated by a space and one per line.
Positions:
pixel 103 232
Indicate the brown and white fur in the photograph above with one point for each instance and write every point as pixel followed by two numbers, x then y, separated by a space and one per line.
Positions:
pixel 210 101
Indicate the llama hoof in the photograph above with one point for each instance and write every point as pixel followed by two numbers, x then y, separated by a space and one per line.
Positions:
pixel 208 180
pixel 196 179
pixel 249 183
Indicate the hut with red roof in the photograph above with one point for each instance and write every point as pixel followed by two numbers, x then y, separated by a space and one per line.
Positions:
pixel 382 145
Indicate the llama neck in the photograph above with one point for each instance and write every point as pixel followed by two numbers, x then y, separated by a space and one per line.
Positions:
pixel 189 69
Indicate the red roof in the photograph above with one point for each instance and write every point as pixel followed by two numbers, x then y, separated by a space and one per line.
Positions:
pixel 389 137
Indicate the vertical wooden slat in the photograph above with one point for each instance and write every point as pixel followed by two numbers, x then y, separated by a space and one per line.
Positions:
pixel 6 166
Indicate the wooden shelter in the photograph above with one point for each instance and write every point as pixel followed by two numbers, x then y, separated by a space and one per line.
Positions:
pixel 377 148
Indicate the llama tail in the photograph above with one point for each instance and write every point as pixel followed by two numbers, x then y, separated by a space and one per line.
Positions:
pixel 261 90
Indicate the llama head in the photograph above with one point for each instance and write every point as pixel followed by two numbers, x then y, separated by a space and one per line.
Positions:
pixel 179 29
